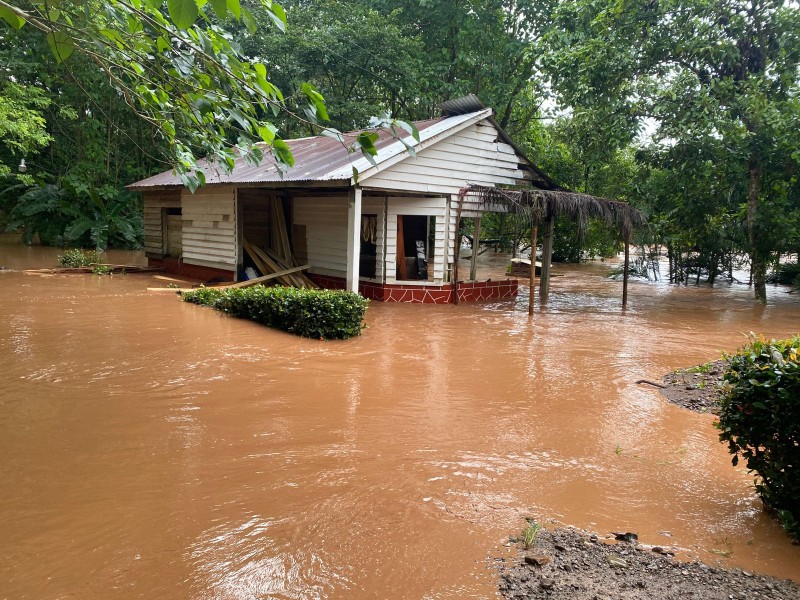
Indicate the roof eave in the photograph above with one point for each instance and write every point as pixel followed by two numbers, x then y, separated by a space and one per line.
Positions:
pixel 507 139
pixel 399 153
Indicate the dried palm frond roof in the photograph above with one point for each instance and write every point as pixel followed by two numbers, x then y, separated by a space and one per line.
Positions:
pixel 540 204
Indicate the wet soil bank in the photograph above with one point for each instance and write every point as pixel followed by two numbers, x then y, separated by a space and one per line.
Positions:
pixel 571 563
pixel 568 563
pixel 697 388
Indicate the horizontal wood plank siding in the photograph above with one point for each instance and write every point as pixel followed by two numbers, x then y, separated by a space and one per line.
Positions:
pixel 153 203
pixel 209 227
pixel 325 221
pixel 472 155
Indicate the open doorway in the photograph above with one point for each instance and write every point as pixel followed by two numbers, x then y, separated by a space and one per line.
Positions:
pixel 369 246
pixel 172 232
pixel 414 247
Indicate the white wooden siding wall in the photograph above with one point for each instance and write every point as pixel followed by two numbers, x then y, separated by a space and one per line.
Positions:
pixel 471 155
pixel 469 209
pixel 434 207
pixel 374 205
pixel 209 227
pixel 153 224
pixel 325 220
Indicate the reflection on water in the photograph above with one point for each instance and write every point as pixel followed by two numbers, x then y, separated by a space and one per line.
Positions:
pixel 160 450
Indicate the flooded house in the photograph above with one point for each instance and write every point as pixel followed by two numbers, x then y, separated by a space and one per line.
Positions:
pixel 390 234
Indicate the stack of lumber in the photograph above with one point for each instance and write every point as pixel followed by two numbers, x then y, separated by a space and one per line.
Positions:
pixel 90 269
pixel 276 261
pixel 273 266
pixel 279 275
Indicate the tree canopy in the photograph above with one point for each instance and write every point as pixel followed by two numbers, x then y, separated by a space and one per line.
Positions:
pixel 686 109
pixel 719 80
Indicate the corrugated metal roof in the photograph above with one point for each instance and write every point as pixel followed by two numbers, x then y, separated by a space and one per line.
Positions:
pixel 317 158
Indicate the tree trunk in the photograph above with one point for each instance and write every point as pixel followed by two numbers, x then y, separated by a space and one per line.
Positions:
pixel 626 270
pixel 757 258
pixel 671 261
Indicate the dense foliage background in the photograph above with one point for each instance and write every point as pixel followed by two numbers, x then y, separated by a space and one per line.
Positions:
pixel 687 109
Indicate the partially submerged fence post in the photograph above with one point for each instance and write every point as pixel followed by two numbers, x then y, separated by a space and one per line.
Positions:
pixel 547 255
pixel 476 246
pixel 626 268
pixel 534 233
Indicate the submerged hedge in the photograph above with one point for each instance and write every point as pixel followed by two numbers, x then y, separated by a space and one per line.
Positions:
pixel 320 314
pixel 760 421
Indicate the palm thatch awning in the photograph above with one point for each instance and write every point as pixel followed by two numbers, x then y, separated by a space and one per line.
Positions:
pixel 540 204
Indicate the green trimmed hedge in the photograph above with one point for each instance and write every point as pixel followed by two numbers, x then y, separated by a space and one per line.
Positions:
pixel 320 314
pixel 760 421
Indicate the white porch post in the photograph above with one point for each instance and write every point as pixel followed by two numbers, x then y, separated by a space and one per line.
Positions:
pixel 353 238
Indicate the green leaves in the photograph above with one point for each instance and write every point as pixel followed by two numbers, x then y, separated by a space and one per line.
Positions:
pixel 278 16
pixel 60 44
pixel 183 12
pixel 267 132
pixel 316 102
pixel 235 7
pixel 220 7
pixel 365 141
pixel 12 18
pixel 181 67
pixel 316 314
pixel 760 419
pixel 249 20
pixel 282 153
pixel 713 93
pixel 409 127
pixel 195 85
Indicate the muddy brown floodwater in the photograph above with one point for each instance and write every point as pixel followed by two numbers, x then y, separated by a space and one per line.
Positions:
pixel 156 449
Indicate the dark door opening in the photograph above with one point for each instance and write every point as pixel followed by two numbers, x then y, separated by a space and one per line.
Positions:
pixel 369 246
pixel 413 247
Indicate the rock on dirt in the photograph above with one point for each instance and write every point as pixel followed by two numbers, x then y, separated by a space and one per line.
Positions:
pixel 582 569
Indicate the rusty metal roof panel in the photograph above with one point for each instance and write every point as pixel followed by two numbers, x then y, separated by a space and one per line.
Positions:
pixel 315 159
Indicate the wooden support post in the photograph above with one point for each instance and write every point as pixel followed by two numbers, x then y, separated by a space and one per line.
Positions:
pixel 457 243
pixel 547 255
pixel 476 246
pixel 625 270
pixel 353 238
pixel 534 233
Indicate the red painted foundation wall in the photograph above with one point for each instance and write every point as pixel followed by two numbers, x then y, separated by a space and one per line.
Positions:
pixel 429 294
pixel 177 267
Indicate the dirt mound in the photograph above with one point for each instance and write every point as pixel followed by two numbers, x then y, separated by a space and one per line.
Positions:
pixel 567 563
pixel 696 388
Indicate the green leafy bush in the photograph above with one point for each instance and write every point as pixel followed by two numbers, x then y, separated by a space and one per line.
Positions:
pixel 75 257
pixel 322 314
pixel 102 269
pixel 760 421
pixel 786 273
